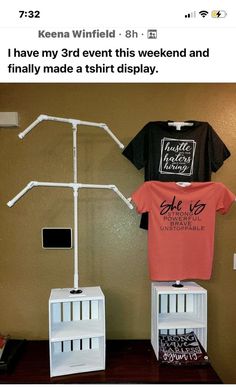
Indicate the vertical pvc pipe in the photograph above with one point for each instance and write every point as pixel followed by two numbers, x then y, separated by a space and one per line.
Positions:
pixel 75 170
pixel 75 191
pixel 76 264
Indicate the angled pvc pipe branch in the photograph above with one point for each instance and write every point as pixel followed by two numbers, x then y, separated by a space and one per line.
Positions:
pixel 73 122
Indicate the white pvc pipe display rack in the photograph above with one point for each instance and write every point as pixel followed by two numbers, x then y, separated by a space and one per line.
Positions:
pixel 75 186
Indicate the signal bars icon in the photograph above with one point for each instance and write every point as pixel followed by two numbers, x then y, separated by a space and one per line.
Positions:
pixel 191 14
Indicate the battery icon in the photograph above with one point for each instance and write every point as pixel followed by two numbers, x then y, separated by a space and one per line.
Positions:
pixel 218 14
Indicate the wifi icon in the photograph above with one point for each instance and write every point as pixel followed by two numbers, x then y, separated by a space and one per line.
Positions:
pixel 203 13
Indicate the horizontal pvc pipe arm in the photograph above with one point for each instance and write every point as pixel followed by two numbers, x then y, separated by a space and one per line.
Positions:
pixel 74 186
pixel 49 184
pixel 98 186
pixel 61 119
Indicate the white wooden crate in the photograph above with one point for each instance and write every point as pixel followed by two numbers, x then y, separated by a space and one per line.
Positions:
pixel 76 331
pixel 177 311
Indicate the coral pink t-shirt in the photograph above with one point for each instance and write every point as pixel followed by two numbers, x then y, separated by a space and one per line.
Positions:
pixel 181 226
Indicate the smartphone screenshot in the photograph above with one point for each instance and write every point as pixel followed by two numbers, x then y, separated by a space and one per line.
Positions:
pixel 118 189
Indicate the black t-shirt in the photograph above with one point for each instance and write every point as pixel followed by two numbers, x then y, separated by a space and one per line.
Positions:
pixel 168 154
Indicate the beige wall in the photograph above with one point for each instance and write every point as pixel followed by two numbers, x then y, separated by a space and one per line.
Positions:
pixel 112 248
